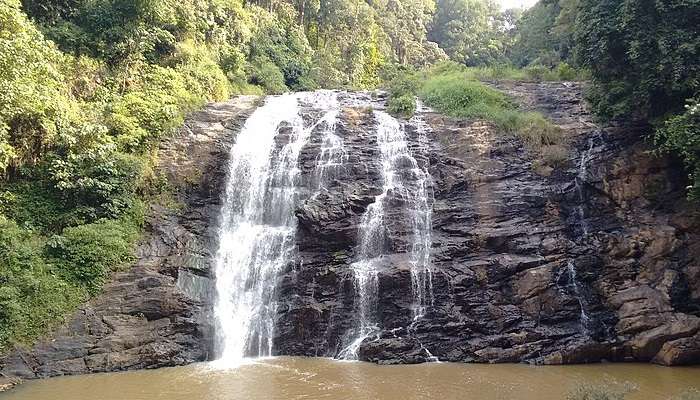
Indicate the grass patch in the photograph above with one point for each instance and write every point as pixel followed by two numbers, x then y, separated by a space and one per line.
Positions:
pixel 455 90
pixel 533 73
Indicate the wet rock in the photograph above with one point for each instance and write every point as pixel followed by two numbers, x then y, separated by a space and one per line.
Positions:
pixel 647 344
pixel 683 351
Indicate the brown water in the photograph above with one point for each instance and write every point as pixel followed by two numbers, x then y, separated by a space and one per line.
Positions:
pixel 301 378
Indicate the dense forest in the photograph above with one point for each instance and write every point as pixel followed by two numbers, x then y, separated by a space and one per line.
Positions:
pixel 89 87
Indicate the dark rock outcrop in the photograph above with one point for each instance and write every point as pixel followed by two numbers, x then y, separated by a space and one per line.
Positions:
pixel 515 279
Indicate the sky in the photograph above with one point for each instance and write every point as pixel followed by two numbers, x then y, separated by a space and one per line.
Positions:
pixel 516 3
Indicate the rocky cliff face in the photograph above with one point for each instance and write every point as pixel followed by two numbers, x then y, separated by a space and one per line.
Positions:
pixel 598 260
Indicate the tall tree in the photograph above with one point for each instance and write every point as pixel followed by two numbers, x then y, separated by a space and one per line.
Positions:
pixel 472 32
pixel 643 55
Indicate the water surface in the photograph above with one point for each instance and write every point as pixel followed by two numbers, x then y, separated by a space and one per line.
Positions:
pixel 302 378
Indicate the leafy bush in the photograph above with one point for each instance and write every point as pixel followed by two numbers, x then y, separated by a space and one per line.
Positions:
pixel 33 206
pixel 283 45
pixel 454 94
pixel 565 72
pixel 203 77
pixel 152 109
pixel 266 74
pixel 402 93
pixel 102 184
pixel 32 95
pixel 87 253
pixel 642 56
pixel 536 73
pixel 680 135
pixel 404 106
pixel 32 296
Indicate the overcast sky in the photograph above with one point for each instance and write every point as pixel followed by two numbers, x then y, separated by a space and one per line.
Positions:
pixel 516 3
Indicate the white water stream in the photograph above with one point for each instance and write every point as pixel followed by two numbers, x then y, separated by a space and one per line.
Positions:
pixel 258 226
pixel 403 179
pixel 580 179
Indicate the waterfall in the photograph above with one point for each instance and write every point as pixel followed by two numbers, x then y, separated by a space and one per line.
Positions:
pixel 258 227
pixel 332 156
pixel 403 179
pixel 574 289
pixel 421 212
pixel 578 183
pixel 579 180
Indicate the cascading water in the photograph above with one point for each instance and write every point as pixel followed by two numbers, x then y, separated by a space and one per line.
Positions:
pixel 420 203
pixel 403 179
pixel 421 211
pixel 258 226
pixel 582 223
pixel 578 182
pixel 333 156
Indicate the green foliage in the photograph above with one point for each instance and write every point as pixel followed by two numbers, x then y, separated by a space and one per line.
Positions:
pixel 151 109
pixel 402 93
pixel 32 96
pixel 537 132
pixel 284 46
pixel 566 73
pixel 506 72
pixel 86 254
pixel 404 106
pixel 472 32
pixel 456 95
pixel 452 89
pixel 536 73
pixel 680 135
pixel 32 296
pixel 643 60
pixel 642 55
pixel 33 206
pixel 267 75
pixel 541 34
pixel 97 185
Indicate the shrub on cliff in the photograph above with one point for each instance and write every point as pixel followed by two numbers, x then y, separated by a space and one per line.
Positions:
pixel 680 135
pixel 33 296
pixel 456 95
pixel 402 93
pixel 86 254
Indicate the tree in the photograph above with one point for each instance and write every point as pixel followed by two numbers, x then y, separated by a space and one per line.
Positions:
pixel 642 53
pixel 472 32
pixel 32 94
